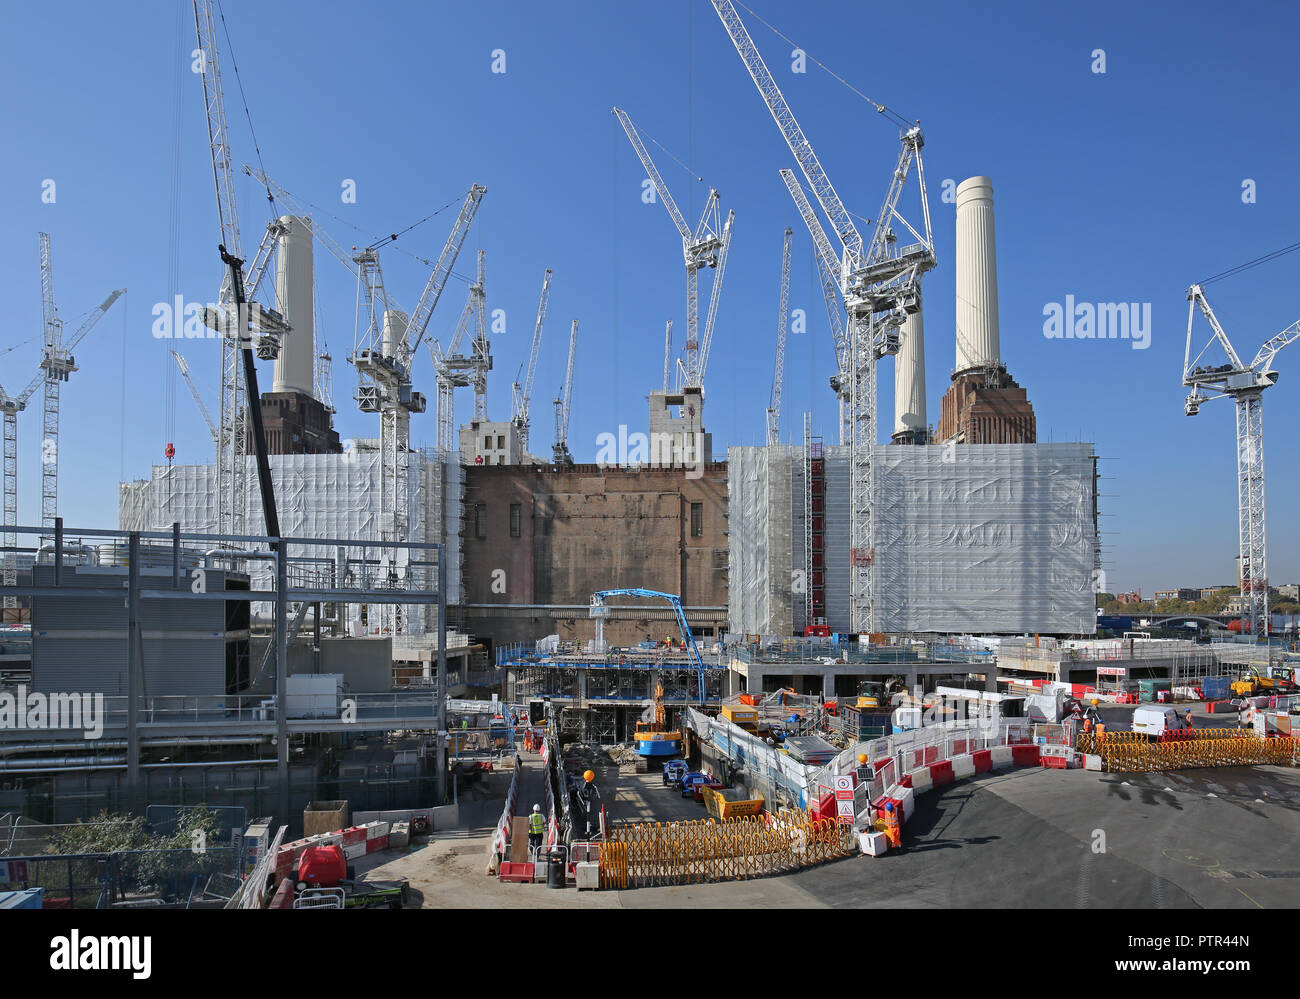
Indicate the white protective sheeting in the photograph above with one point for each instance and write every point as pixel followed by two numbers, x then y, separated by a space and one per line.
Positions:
pixel 980 538
pixel 760 527
pixel 986 538
pixel 317 496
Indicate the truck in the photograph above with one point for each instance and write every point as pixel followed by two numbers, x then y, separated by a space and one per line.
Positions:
pixel 1155 720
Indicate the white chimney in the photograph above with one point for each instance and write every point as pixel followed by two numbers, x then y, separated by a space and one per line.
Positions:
pixel 909 377
pixel 394 331
pixel 295 367
pixel 977 276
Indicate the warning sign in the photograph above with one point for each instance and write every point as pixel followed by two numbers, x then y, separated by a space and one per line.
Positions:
pixel 846 811
pixel 844 787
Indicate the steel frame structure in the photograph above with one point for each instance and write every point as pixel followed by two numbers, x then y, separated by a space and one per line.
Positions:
pixel 257 549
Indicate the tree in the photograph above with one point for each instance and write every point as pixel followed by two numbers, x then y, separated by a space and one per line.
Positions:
pixel 149 861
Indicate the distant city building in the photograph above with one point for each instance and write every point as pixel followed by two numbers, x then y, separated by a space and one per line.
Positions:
pixel 1289 591
pixel 1132 597
pixel 1209 591
pixel 1182 593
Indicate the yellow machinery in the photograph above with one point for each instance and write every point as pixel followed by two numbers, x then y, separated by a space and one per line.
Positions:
pixel 654 738
pixel 1256 683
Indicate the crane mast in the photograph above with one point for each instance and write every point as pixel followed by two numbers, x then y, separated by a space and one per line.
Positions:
pixel 668 351
pixel 563 404
pixel 1244 384
pixel 10 407
pixel 232 443
pixel 523 394
pixel 782 319
pixel 482 347
pixel 880 286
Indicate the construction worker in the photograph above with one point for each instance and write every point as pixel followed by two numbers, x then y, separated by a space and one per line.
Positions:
pixel 1091 717
pixel 536 828
pixel 893 827
pixel 588 796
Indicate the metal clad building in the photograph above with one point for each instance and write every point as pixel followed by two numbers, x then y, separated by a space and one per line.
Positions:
pixel 79 644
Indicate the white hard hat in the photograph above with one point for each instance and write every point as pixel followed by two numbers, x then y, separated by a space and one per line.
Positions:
pixel 537 808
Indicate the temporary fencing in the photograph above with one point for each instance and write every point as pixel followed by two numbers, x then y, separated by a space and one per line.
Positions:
pixel 1134 752
pixel 646 854
pixel 907 750
pixel 501 837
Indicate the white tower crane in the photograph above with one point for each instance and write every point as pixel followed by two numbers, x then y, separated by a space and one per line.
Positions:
pixel 782 321
pixel 1244 383
pixel 452 368
pixel 232 442
pixel 828 268
pixel 707 246
pixel 57 363
pixel 194 391
pixel 880 286
pixel 522 394
pixel 383 351
pixel 560 453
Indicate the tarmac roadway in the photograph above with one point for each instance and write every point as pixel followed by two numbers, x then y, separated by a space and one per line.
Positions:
pixel 1029 838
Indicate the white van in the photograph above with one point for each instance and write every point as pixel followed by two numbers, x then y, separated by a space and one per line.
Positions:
pixel 1157 720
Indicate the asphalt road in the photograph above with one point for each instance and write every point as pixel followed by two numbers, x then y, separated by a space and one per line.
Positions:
pixel 1025 839
pixel 1029 838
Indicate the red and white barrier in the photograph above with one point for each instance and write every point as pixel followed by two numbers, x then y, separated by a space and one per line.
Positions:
pixel 938 773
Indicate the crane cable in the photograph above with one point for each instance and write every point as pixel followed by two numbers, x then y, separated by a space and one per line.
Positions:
pixel 1250 263
pixel 382 240
pixel 173 239
pixel 248 115
pixel 884 109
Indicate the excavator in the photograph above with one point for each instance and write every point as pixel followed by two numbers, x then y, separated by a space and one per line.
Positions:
pixel 878 693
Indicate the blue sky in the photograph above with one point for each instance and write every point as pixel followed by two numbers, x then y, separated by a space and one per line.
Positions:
pixel 1122 186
